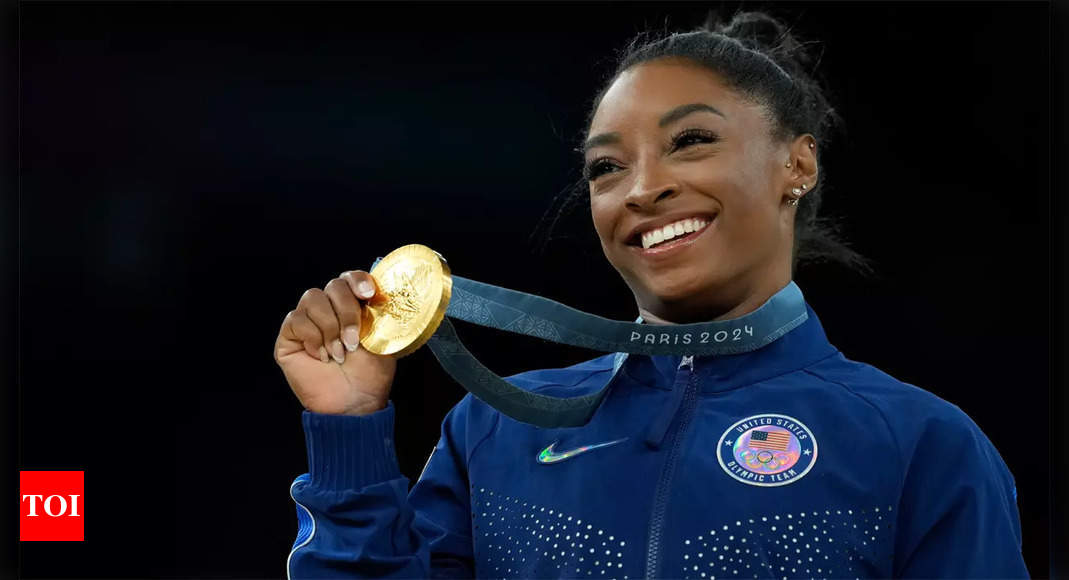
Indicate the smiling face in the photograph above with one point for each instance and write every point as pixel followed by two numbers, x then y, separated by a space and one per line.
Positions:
pixel 671 144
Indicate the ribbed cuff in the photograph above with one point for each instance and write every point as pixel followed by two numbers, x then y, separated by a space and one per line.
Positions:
pixel 346 452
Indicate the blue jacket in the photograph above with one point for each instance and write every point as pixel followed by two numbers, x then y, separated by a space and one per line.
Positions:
pixel 787 461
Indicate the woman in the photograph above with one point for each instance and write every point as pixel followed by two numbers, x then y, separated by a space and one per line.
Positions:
pixel 702 163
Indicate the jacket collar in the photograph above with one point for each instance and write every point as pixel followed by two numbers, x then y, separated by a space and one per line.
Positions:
pixel 799 348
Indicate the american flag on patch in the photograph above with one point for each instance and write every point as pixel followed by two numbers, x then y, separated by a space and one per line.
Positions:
pixel 776 440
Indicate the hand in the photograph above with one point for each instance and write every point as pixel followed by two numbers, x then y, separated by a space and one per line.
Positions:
pixel 320 354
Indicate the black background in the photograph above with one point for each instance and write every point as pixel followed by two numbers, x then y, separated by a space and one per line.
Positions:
pixel 188 170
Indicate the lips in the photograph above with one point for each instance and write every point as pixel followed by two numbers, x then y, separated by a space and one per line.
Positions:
pixel 674 230
pixel 671 246
pixel 667 227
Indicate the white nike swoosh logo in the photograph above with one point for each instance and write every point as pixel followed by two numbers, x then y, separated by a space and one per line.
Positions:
pixel 549 455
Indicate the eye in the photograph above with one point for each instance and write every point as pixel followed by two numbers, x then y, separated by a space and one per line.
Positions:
pixel 598 167
pixel 689 137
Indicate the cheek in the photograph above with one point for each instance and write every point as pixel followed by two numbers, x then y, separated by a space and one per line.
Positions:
pixel 746 213
pixel 736 190
pixel 602 217
pixel 752 221
pixel 753 183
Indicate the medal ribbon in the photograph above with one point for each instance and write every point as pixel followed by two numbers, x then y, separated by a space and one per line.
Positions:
pixel 522 313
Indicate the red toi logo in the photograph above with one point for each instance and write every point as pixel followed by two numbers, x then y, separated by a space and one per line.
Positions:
pixel 53 506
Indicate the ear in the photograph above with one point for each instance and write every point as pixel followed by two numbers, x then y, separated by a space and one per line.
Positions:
pixel 803 161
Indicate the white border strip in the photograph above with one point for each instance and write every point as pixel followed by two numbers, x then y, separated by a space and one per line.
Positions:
pixel 310 536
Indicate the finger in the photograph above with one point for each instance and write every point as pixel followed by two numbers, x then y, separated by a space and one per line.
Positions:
pixel 361 283
pixel 297 327
pixel 348 311
pixel 317 306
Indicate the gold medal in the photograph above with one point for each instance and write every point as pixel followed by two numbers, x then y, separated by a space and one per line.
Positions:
pixel 417 284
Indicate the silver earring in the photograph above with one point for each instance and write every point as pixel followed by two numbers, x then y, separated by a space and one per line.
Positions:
pixel 788 164
pixel 812 145
pixel 797 193
pixel 803 187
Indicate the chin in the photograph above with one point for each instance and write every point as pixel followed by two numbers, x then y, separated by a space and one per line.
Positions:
pixel 687 298
pixel 673 295
pixel 680 293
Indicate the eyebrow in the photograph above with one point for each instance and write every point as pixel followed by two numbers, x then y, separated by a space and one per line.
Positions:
pixel 666 119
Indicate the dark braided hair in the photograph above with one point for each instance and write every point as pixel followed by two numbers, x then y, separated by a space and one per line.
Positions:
pixel 757 56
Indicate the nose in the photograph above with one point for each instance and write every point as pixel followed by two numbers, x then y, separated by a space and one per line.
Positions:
pixel 652 185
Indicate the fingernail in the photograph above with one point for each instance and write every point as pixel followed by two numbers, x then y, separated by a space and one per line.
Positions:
pixel 365 289
pixel 323 356
pixel 337 351
pixel 351 337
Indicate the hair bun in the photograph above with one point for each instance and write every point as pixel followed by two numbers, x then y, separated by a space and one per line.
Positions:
pixel 756 30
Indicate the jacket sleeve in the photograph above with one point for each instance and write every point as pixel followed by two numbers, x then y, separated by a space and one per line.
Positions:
pixel 355 516
pixel 958 513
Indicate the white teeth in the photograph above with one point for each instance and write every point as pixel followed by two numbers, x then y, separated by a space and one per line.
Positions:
pixel 672 230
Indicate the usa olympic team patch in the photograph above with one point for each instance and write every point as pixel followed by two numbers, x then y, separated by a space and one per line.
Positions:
pixel 767 450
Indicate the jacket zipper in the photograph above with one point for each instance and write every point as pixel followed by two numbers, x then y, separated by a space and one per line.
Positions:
pixel 664 486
